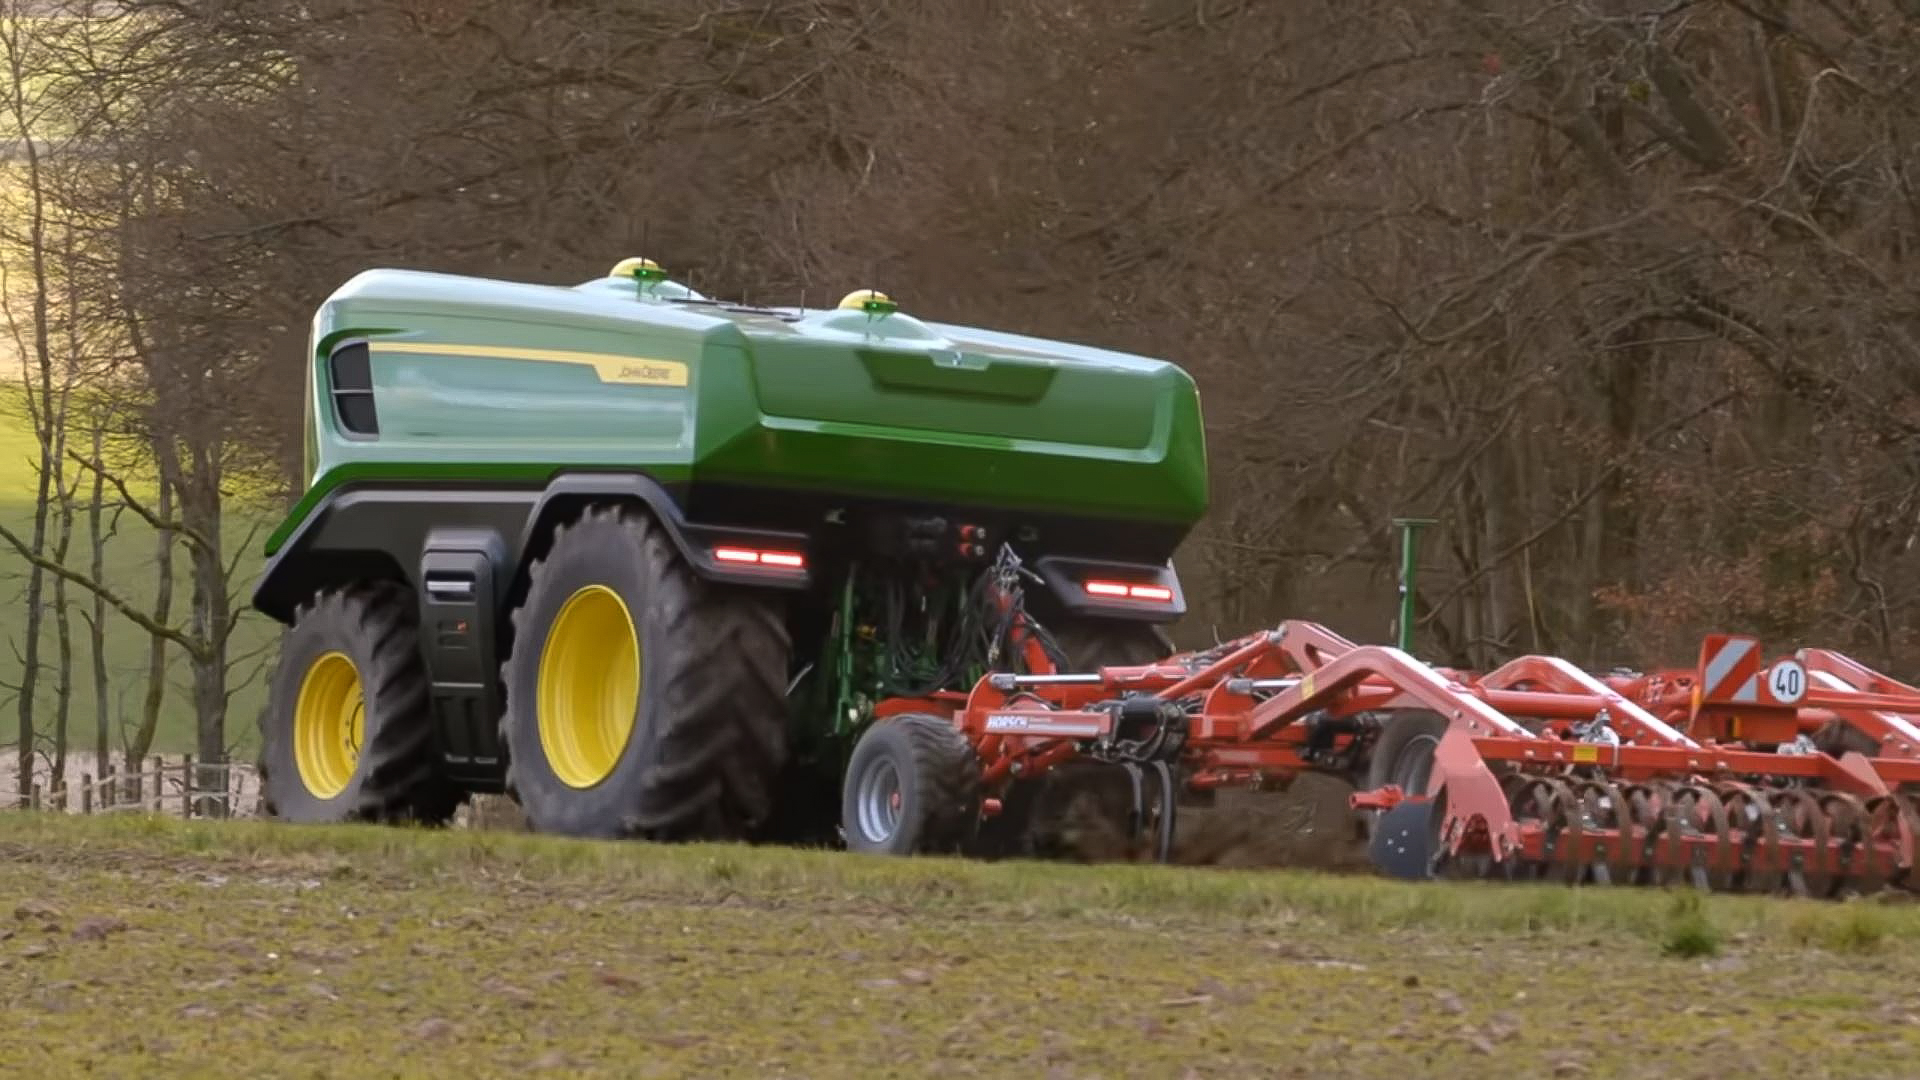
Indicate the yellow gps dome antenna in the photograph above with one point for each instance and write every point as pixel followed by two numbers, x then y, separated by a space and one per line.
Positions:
pixel 644 272
pixel 871 301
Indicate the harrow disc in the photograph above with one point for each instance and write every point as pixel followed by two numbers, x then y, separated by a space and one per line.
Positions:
pixel 1734 836
pixel 1406 840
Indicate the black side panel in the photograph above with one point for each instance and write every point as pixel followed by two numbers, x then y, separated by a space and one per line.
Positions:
pixel 459 585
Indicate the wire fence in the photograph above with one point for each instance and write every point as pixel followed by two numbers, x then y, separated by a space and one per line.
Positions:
pixel 175 785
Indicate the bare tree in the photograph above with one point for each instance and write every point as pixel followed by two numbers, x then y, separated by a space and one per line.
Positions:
pixel 1614 291
pixel 44 382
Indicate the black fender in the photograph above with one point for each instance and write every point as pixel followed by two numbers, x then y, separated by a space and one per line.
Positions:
pixel 1066 578
pixel 569 493
pixel 378 531
pixel 373 533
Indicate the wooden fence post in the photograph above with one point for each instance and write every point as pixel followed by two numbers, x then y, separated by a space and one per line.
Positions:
pixel 159 781
pixel 86 793
pixel 187 786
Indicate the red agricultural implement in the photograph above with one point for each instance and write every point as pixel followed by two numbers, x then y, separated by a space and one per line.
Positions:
pixel 1790 776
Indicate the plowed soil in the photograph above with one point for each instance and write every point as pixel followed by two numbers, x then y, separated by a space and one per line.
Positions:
pixel 142 948
pixel 1308 826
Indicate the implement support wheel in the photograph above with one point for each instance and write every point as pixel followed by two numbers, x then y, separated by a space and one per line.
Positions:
pixel 1404 752
pixel 1404 841
pixel 912 787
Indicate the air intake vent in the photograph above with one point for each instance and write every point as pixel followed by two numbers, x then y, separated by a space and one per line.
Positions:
pixel 350 371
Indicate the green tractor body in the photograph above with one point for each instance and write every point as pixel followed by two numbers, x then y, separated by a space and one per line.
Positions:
pixel 817 486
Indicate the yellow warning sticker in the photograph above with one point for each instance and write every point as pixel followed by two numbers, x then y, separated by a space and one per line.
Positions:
pixel 1586 753
pixel 1306 686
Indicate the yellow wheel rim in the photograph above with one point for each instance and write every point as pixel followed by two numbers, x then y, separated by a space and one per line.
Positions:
pixel 329 722
pixel 589 686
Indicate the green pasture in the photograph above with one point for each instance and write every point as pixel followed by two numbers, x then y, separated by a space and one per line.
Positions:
pixel 143 947
pixel 130 570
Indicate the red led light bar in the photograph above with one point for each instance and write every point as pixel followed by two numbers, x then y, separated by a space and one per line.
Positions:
pixel 1118 590
pixel 785 560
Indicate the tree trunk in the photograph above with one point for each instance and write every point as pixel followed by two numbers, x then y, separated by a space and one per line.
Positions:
pixel 97 629
pixel 62 622
pixel 42 409
pixel 200 510
pixel 142 741
pixel 1619 515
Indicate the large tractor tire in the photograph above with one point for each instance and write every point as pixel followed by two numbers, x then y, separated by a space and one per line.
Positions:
pixel 912 788
pixel 642 701
pixel 347 734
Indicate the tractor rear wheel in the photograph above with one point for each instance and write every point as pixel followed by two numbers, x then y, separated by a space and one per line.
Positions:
pixel 642 701
pixel 912 787
pixel 347 734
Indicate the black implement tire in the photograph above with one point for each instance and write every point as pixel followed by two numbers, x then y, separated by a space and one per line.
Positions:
pixel 1403 755
pixel 709 720
pixel 365 634
pixel 1092 643
pixel 912 787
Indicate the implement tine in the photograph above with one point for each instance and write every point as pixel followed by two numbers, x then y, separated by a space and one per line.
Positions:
pixel 1169 809
pixel 1136 819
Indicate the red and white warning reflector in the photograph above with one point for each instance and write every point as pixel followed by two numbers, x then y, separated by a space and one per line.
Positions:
pixel 1729 668
pixel 1733 673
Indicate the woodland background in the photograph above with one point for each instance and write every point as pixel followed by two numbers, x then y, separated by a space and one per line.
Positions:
pixel 1621 293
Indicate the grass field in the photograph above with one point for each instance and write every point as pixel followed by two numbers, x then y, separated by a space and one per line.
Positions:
pixel 140 947
pixel 130 570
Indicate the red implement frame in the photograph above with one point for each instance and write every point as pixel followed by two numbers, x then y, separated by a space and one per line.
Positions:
pixel 1540 769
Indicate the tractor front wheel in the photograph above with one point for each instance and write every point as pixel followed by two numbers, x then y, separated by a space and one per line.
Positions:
pixel 347 734
pixel 912 787
pixel 642 701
